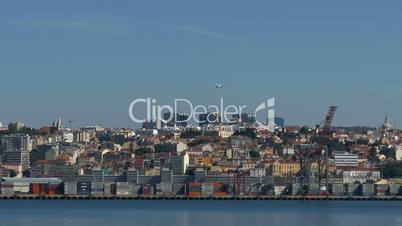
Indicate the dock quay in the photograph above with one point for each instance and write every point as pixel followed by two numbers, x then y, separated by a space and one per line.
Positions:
pixel 267 198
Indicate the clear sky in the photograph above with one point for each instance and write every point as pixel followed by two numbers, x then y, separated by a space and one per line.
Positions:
pixel 90 59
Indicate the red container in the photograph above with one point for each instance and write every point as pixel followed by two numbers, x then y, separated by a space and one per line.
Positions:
pixel 52 189
pixel 218 187
pixel 194 194
pixel 220 194
pixel 147 190
pixel 194 187
pixel 113 189
pixel 35 189
pixel 43 189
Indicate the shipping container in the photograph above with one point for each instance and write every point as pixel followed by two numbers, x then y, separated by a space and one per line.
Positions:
pixel 220 194
pixel 179 189
pixel 279 190
pixel 70 188
pixel 314 187
pixel 22 187
pixel 337 189
pixel 195 187
pixel 368 190
pixel 158 189
pixel 254 189
pixel 295 188
pixel 207 189
pixel 394 189
pixel 97 188
pixel 219 187
pixel 84 188
pixel 381 190
pixel 109 188
pixel 353 189
pixel 7 188
pixel 52 189
pixel 135 189
pixel 167 188
pixel 123 189
pixel 147 190
pixel 194 194
pixel 123 192
pixel 43 189
pixel 6 185
pixel 266 189
pixel 35 189
pixel 7 191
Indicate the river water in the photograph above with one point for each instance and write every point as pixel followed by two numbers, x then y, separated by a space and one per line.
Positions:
pixel 198 213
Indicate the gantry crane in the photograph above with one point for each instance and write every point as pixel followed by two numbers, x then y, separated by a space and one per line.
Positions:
pixel 70 122
pixel 317 149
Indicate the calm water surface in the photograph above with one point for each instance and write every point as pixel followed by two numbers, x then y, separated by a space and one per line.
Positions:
pixel 198 213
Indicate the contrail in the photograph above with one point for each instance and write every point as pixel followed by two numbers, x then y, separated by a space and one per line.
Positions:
pixel 208 33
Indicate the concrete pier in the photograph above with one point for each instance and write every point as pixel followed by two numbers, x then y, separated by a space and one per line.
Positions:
pixel 300 198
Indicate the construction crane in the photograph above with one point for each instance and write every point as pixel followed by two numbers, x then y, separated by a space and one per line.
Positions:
pixel 315 151
pixel 237 178
pixel 70 122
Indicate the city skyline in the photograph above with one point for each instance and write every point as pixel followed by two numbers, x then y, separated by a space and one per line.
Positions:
pixel 200 112
pixel 90 62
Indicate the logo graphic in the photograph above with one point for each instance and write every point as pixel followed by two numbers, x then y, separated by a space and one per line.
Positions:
pixel 269 106
pixel 212 114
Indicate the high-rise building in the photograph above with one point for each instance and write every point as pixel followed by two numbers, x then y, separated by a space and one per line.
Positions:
pixel 166 175
pixel 280 122
pixel 344 159
pixel 178 119
pixel 81 136
pixel 2 127
pixel 132 176
pixel 57 124
pixel 208 118
pixel 15 126
pixel 243 118
pixel 149 125
pixel 180 163
pixel 15 149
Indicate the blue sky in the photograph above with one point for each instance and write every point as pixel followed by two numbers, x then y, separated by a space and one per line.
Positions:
pixel 90 59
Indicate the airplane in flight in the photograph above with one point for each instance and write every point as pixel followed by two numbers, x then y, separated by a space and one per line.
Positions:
pixel 218 86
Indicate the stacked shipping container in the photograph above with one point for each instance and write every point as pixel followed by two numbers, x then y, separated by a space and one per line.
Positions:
pixel 194 189
pixel 368 190
pixel 7 188
pixel 97 188
pixel 123 189
pixel 83 188
pixel 70 188
pixel 394 189
pixel 381 189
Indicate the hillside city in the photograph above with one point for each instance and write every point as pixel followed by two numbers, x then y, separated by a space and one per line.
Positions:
pixel 173 158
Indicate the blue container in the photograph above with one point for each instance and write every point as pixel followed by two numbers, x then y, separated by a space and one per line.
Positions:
pixel 84 188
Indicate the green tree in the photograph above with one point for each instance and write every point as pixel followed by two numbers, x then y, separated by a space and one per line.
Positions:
pixel 392 170
pixel 143 151
pixel 248 132
pixel 119 139
pixel 131 147
pixel 304 130
pixel 362 141
pixel 335 145
pixel 388 152
pixel 190 134
pixel 255 154
pixel 197 142
pixel 23 130
pixel 13 173
pixel 34 155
